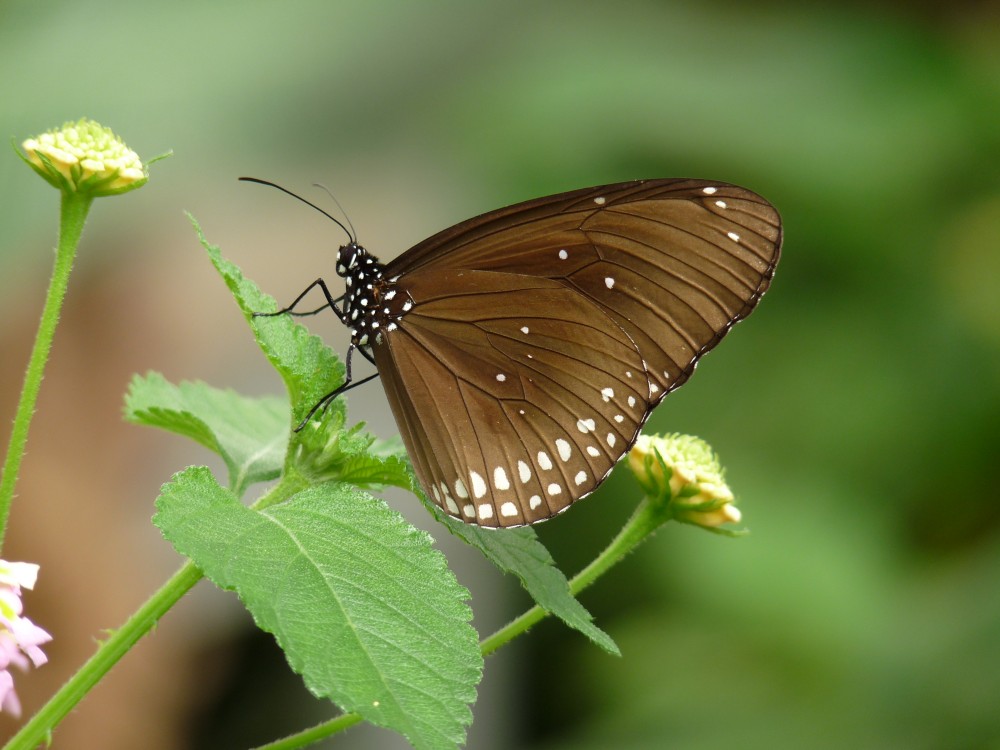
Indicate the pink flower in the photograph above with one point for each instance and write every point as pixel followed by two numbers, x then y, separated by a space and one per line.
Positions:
pixel 20 638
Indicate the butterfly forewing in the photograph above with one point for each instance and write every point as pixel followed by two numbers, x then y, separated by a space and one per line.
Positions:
pixel 674 262
pixel 515 396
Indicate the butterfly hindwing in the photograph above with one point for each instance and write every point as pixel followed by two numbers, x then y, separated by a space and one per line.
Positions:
pixel 515 396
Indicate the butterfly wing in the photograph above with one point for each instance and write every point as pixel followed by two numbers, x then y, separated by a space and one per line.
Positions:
pixel 676 263
pixel 515 396
pixel 537 338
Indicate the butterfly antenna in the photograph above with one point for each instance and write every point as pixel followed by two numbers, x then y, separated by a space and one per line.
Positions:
pixel 348 232
pixel 326 190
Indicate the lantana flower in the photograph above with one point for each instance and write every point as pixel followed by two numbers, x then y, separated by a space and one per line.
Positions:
pixel 85 157
pixel 20 638
pixel 684 472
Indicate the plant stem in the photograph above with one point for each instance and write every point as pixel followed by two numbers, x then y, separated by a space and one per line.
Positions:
pixel 73 215
pixel 39 729
pixel 646 518
pixel 313 734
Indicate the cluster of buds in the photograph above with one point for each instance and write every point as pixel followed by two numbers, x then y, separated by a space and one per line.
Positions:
pixel 85 157
pixel 20 638
pixel 684 473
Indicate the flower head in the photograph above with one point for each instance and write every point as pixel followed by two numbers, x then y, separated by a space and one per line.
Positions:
pixel 20 638
pixel 85 157
pixel 685 472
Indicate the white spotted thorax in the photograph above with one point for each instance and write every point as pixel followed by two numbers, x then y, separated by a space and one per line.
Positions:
pixel 372 304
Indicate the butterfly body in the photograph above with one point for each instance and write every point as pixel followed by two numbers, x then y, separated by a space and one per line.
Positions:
pixel 522 350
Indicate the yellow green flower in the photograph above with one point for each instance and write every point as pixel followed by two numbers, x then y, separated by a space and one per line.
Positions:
pixel 85 157
pixel 684 472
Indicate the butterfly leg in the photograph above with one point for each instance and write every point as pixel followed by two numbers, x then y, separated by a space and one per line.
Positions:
pixel 331 303
pixel 349 382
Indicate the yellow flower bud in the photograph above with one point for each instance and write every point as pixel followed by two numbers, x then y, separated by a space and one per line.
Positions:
pixel 85 157
pixel 686 474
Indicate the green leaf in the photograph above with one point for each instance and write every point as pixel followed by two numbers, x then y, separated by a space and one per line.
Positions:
pixel 250 434
pixel 519 551
pixel 308 367
pixel 364 607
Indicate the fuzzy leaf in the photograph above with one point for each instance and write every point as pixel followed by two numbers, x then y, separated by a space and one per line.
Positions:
pixel 364 607
pixel 250 434
pixel 308 367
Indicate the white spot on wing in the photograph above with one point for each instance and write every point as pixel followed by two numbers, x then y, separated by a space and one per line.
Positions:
pixel 619 418
pixel 461 491
pixel 525 329
pixel 591 450
pixel 564 450
pixel 709 190
pixel 469 510
pixel 534 501
pixel 609 282
pixel 452 506
pixel 501 377
pixel 508 509
pixel 721 204
pixel 478 485
pixel 733 236
pixel 485 511
pixel 524 471
pixel 544 461
pixel 390 294
pixel 585 425
pixel 600 200
pixel 607 394
pixel 580 478
pixel 611 439
pixel 500 480
pixel 563 255
pixel 553 489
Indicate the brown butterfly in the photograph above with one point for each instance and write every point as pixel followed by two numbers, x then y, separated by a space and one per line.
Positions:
pixel 523 350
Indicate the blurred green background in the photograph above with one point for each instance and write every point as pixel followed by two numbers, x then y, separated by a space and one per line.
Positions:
pixel 857 411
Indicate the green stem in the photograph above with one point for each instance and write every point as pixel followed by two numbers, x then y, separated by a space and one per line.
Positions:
pixel 313 734
pixel 39 729
pixel 646 518
pixel 73 215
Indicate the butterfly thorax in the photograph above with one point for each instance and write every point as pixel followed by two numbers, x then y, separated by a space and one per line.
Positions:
pixel 372 303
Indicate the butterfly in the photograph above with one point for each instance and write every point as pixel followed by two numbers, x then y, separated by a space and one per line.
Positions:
pixel 522 351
